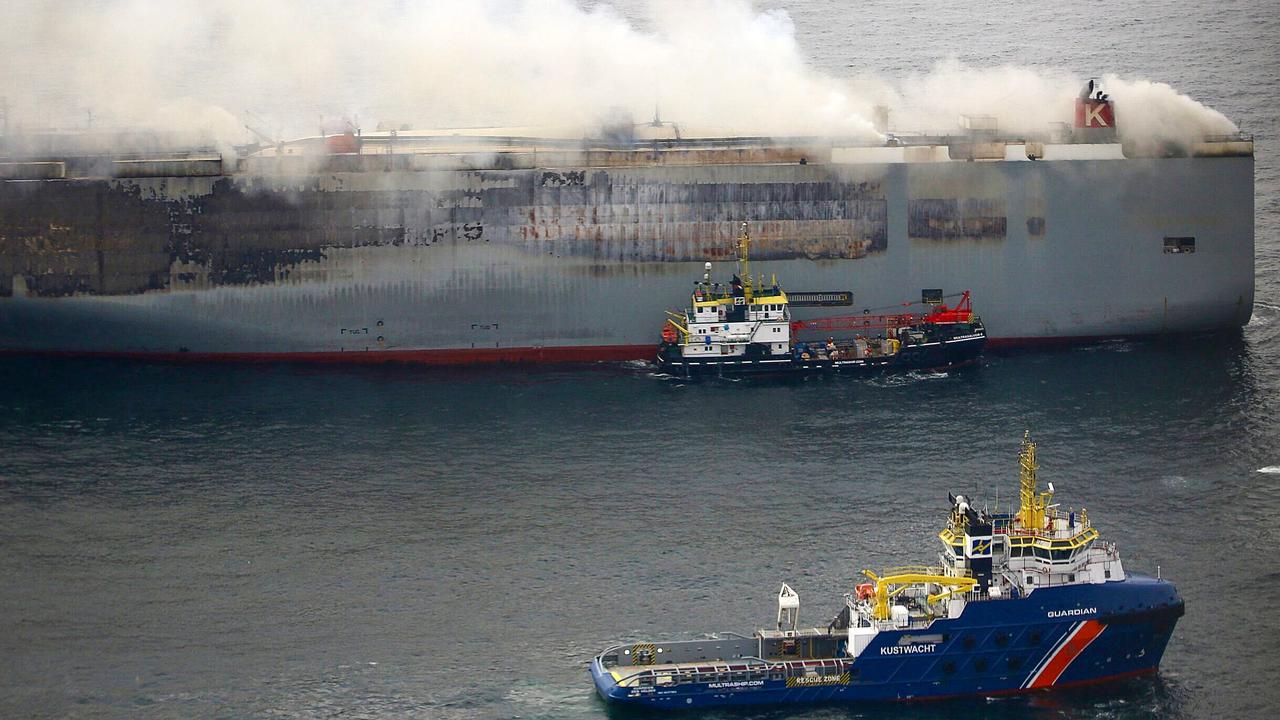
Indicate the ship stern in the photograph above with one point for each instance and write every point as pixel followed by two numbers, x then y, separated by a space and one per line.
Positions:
pixel 605 681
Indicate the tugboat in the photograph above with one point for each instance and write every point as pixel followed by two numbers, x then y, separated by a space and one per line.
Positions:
pixel 745 327
pixel 1018 602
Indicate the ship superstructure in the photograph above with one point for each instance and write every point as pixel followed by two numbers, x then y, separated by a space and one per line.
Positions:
pixel 475 246
pixel 744 319
pixel 1018 602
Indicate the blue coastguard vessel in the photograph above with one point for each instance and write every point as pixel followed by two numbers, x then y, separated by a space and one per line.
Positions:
pixel 1019 602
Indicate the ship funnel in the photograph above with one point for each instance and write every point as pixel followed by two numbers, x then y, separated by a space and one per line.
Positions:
pixel 1093 107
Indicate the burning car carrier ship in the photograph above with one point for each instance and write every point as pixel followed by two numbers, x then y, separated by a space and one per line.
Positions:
pixel 481 246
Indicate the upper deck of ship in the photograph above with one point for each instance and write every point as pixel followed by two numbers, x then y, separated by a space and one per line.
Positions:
pixel 53 156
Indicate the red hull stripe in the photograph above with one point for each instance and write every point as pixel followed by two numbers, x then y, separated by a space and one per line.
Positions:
pixel 1070 650
pixel 1017 691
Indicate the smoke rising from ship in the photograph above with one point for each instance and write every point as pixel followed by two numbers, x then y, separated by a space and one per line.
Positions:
pixel 718 66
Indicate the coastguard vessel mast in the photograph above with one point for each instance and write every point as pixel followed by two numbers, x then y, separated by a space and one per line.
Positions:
pixel 1032 511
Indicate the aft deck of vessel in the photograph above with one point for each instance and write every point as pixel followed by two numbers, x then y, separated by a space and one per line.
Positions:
pixel 723 671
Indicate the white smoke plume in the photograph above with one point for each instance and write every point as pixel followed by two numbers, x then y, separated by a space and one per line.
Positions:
pixel 716 66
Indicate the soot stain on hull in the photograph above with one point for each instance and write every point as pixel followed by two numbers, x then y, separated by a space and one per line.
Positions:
pixel 121 237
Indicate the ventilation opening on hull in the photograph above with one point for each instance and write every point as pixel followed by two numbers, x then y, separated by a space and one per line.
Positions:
pixel 1179 245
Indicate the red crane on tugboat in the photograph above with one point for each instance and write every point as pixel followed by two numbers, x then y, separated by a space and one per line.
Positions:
pixel 961 313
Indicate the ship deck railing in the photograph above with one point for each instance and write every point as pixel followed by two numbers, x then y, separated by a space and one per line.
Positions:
pixel 946 570
pixel 741 669
pixel 1081 523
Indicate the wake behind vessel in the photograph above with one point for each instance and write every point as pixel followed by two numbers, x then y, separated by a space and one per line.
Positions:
pixel 1018 602
pixel 744 327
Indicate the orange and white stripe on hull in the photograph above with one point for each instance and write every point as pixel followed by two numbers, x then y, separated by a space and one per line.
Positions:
pixel 1061 656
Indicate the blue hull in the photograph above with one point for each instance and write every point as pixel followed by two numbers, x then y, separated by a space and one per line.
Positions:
pixel 1055 637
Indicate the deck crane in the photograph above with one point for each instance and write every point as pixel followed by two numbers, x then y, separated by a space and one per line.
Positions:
pixel 961 313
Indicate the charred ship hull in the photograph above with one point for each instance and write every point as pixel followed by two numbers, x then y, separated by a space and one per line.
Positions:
pixel 507 249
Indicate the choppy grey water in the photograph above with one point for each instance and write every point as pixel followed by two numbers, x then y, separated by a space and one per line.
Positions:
pixel 182 541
